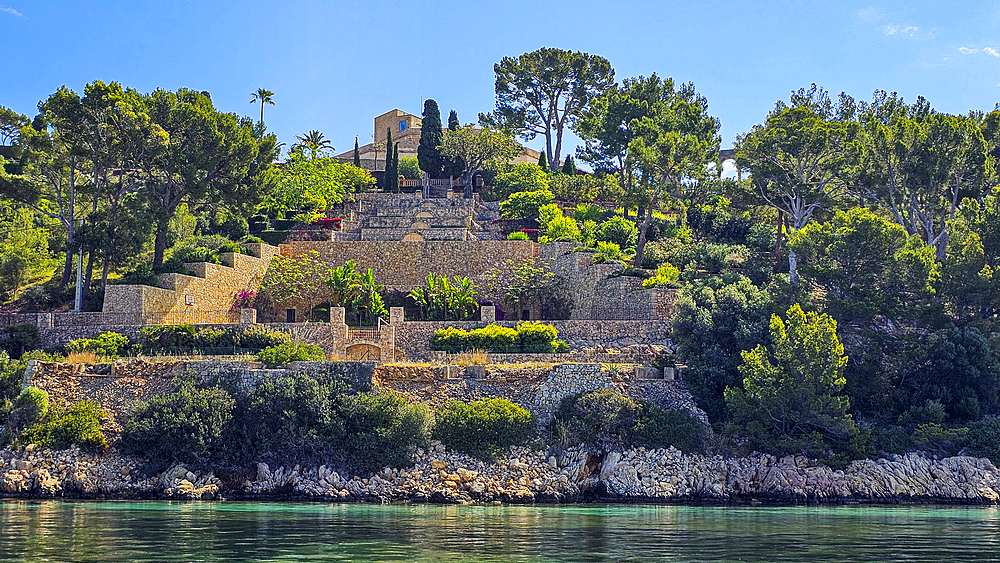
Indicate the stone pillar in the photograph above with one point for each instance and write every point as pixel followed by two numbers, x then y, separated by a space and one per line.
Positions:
pixel 338 316
pixel 488 313
pixel 668 373
pixel 44 320
pixel 248 316
pixel 396 315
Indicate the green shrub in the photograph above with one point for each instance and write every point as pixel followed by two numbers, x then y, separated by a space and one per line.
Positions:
pixel 28 409
pixel 983 439
pixel 601 418
pixel 606 419
pixel 519 177
pixel 524 204
pixel 937 439
pixel 608 252
pixel 587 212
pixel 666 275
pixel 107 345
pixel 142 275
pixel 535 337
pixel 518 235
pixel 285 420
pixel 381 428
pixel 260 337
pixel 167 338
pixel 275 356
pixel 486 428
pixel 618 230
pixel 492 338
pixel 11 377
pixel 18 339
pixel 561 347
pixel 209 337
pixel 660 428
pixel 206 248
pixel 184 425
pixel 528 337
pixel 79 424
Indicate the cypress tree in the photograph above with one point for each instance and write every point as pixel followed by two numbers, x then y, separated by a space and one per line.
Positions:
pixel 428 152
pixel 454 168
pixel 395 168
pixel 568 166
pixel 389 172
pixel 357 154
pixel 543 162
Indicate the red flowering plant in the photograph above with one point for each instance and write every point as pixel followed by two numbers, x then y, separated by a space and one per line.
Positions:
pixel 243 300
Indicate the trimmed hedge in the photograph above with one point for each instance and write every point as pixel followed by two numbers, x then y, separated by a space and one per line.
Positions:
pixel 106 344
pixel 528 337
pixel 275 356
pixel 173 339
pixel 486 428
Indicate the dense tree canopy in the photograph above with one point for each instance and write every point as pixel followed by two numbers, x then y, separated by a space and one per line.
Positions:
pixel 545 91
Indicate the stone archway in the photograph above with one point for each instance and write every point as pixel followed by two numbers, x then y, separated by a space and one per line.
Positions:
pixel 425 215
pixel 364 353
pixel 413 237
pixel 420 225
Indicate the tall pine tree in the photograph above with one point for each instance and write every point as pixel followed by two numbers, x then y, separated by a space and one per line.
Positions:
pixel 357 154
pixel 543 162
pixel 453 123
pixel 428 154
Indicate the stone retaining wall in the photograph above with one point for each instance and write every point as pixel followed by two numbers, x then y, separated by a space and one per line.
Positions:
pixel 538 388
pixel 120 387
pixel 414 337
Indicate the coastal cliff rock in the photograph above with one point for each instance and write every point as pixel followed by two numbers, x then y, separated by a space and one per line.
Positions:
pixel 662 475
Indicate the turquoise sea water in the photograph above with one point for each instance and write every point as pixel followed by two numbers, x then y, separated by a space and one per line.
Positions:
pixel 247 531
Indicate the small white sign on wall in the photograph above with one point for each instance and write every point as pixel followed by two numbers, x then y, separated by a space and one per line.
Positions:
pixel 189 299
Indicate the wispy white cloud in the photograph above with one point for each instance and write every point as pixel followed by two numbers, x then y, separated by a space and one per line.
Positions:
pixel 985 50
pixel 909 30
pixel 12 12
pixel 870 14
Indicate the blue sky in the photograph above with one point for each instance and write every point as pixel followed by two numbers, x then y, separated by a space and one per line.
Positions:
pixel 335 65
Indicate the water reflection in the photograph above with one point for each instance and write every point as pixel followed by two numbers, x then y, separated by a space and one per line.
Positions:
pixel 160 531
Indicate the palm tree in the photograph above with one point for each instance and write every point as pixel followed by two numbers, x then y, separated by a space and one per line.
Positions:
pixel 315 142
pixel 264 97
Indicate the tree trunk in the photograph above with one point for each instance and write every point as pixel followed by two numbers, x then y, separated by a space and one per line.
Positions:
pixel 793 262
pixel 640 213
pixel 777 241
pixel 67 267
pixel 160 242
pixel 104 272
pixel 641 243
pixel 70 216
pixel 87 277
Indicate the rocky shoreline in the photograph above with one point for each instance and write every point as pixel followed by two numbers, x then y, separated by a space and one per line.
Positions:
pixel 525 477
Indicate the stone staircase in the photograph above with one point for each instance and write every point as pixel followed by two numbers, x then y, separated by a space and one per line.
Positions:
pixel 205 294
pixel 405 217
